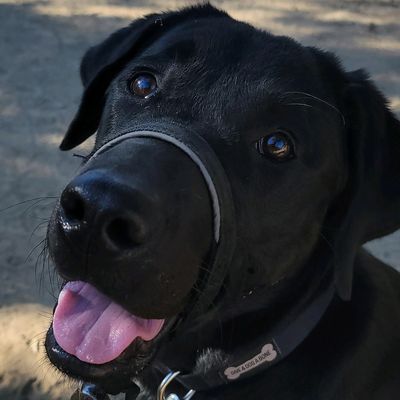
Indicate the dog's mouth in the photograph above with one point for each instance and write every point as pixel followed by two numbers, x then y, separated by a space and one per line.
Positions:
pixel 93 328
pixel 92 338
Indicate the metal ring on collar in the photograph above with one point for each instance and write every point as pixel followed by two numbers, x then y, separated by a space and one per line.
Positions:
pixel 163 387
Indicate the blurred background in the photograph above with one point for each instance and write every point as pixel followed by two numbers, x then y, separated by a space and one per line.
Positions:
pixel 41 43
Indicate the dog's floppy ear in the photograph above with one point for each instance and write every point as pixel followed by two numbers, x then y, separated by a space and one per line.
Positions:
pixel 102 62
pixel 371 202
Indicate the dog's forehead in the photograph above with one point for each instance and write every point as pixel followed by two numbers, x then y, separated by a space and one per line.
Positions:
pixel 227 45
pixel 206 36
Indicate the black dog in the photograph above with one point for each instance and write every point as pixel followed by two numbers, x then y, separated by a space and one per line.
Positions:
pixel 216 228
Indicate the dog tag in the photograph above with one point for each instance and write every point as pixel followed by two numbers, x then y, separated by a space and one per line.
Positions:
pixel 89 391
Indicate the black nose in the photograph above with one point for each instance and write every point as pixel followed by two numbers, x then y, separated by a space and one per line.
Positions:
pixel 94 204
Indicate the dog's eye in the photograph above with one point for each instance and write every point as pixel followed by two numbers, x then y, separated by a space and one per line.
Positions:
pixel 143 85
pixel 277 145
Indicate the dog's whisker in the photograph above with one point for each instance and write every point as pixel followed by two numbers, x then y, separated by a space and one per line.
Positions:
pixel 196 289
pixel 37 199
pixel 40 260
pixel 46 315
pixel 205 269
pixel 35 204
pixel 299 104
pixel 38 226
pixel 38 337
pixel 43 364
pixel 315 98
pixel 54 279
pixel 34 248
pixel 309 95
pixel 44 367
pixel 43 260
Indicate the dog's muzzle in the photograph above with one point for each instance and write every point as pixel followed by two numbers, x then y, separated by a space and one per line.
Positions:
pixel 198 150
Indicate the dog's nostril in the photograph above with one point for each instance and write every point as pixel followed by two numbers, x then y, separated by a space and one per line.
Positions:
pixel 124 233
pixel 73 206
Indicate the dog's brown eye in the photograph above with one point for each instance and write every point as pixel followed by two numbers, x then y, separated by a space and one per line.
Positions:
pixel 143 85
pixel 278 145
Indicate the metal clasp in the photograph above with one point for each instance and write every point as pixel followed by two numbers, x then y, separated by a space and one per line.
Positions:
pixel 163 387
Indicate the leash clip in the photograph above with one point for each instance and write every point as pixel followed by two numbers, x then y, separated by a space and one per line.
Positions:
pixel 163 387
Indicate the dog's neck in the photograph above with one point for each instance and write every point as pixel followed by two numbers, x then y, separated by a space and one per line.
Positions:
pixel 293 309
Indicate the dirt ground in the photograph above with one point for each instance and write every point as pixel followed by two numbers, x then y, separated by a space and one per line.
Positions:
pixel 41 43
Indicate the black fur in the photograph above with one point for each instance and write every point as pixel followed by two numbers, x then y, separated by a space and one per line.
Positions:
pixel 234 84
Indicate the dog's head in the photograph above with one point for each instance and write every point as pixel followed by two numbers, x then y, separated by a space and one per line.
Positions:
pixel 215 140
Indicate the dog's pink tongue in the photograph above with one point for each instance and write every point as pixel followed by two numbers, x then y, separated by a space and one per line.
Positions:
pixel 93 328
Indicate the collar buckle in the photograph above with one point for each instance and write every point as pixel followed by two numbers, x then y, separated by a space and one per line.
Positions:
pixel 172 396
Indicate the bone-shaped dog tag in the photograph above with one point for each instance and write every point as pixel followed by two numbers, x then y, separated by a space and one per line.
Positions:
pixel 266 355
